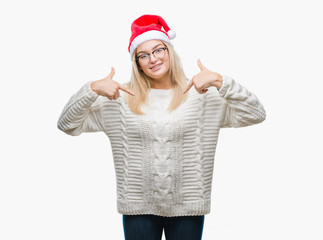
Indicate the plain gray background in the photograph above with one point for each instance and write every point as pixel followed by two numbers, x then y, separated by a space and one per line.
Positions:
pixel 267 178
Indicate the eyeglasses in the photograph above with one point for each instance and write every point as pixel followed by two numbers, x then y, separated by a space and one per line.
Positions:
pixel 158 53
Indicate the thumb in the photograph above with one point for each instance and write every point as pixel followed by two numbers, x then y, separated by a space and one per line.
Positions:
pixel 111 74
pixel 200 65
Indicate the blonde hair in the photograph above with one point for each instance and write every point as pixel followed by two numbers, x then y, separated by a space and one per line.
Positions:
pixel 140 83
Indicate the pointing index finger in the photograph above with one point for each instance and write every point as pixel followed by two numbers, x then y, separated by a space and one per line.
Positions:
pixel 125 89
pixel 190 84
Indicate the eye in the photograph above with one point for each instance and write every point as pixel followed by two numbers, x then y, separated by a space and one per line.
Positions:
pixel 159 50
pixel 143 56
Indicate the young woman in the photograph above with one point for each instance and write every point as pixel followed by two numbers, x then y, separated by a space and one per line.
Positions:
pixel 163 133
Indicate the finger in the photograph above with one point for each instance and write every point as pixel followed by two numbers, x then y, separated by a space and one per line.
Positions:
pixel 117 95
pixel 113 95
pixel 111 74
pixel 126 90
pixel 190 84
pixel 204 90
pixel 200 65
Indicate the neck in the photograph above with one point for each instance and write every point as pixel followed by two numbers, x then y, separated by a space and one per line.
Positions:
pixel 164 82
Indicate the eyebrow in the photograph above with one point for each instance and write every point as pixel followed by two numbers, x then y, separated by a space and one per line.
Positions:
pixel 153 48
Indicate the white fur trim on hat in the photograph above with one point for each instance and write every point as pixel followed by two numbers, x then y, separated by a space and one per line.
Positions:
pixel 149 35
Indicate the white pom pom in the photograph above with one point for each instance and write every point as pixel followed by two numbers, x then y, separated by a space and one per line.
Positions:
pixel 171 34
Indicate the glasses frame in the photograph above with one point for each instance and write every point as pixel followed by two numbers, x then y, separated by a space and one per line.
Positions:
pixel 153 53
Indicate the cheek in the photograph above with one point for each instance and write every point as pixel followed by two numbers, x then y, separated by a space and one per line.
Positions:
pixel 144 69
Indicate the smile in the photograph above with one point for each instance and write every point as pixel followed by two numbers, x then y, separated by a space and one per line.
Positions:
pixel 156 66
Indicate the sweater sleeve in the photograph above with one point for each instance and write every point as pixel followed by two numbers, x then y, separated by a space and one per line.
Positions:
pixel 241 107
pixel 82 113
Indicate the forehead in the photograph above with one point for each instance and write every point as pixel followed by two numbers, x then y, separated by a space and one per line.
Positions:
pixel 148 45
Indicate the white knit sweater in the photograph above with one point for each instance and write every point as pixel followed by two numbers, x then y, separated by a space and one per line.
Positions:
pixel 163 161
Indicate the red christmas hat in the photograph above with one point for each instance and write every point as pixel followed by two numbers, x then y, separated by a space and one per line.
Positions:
pixel 148 27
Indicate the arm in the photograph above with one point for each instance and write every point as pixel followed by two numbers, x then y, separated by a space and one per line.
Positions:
pixel 241 107
pixel 82 113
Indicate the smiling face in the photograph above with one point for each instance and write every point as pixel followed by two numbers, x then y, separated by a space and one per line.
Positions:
pixel 153 66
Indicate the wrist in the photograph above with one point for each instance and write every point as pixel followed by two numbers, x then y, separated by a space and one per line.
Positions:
pixel 217 82
pixel 220 82
pixel 93 86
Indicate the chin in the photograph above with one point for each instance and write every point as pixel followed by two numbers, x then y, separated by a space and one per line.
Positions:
pixel 157 75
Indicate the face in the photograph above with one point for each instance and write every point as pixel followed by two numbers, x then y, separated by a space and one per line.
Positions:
pixel 156 67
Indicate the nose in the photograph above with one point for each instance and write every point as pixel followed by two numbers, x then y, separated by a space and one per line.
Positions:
pixel 152 58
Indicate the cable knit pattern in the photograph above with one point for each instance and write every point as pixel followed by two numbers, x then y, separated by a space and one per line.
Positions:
pixel 163 161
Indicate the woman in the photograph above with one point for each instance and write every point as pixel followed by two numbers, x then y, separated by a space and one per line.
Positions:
pixel 163 133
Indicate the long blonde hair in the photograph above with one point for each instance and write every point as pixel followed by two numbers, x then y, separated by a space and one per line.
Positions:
pixel 140 83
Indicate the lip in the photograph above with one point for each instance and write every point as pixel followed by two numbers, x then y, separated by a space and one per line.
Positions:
pixel 156 67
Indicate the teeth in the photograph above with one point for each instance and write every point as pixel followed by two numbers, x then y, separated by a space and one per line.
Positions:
pixel 156 66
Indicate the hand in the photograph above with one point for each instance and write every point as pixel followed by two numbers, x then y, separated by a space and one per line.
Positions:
pixel 109 88
pixel 204 80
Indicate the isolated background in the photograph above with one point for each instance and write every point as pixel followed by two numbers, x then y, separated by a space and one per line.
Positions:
pixel 267 178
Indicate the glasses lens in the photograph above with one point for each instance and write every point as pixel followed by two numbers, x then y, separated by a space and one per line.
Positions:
pixel 159 53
